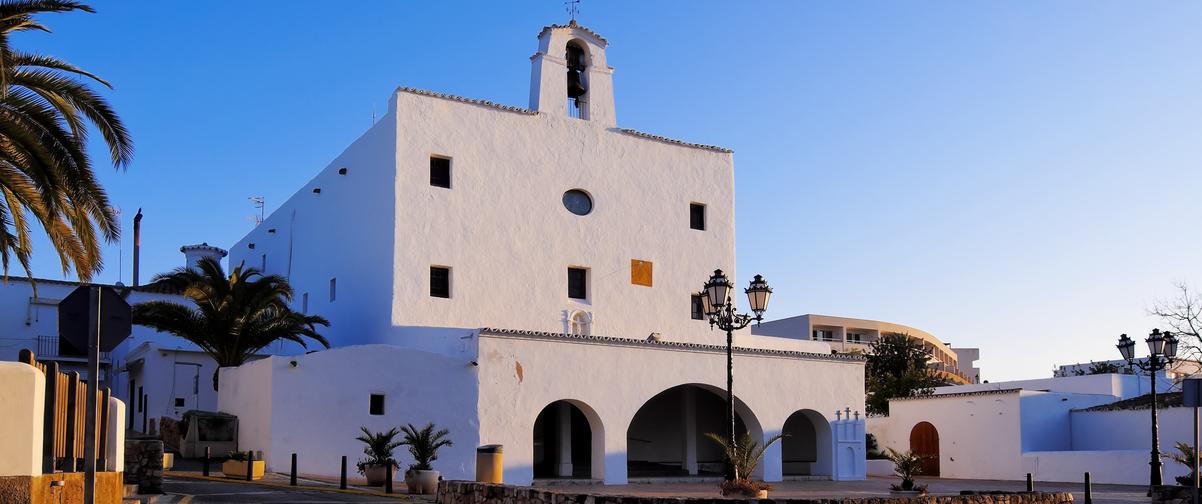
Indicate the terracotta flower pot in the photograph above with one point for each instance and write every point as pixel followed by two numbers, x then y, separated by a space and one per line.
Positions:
pixel 428 481
pixel 375 474
pixel 411 482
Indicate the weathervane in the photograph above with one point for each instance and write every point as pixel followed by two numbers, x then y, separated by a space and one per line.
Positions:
pixel 573 8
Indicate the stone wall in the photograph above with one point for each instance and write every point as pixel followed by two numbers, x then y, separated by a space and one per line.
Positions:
pixel 144 464
pixel 467 492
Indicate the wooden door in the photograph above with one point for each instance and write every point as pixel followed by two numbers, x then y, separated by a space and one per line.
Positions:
pixel 924 441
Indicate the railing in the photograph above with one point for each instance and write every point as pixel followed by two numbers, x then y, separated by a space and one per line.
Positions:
pixel 65 418
pixel 48 348
pixel 576 108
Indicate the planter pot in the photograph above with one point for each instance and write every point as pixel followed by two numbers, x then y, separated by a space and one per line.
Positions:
pixel 428 481
pixel 411 482
pixel 762 494
pixel 375 474
pixel 237 469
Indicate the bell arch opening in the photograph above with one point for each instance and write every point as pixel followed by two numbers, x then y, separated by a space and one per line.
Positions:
pixel 666 437
pixel 569 442
pixel 806 448
pixel 577 60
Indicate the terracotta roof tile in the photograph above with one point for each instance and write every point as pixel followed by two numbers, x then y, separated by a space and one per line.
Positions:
pixel 671 345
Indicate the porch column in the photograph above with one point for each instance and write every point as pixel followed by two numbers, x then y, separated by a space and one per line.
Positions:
pixel 564 412
pixel 689 428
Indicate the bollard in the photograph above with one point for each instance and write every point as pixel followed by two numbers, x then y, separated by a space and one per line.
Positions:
pixel 1088 490
pixel 292 480
pixel 388 478
pixel 206 468
pixel 1030 484
pixel 342 480
pixel 250 465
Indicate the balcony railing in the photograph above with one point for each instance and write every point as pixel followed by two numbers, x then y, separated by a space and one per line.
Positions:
pixel 48 349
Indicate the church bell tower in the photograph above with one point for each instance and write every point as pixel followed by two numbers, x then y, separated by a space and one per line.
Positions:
pixel 570 76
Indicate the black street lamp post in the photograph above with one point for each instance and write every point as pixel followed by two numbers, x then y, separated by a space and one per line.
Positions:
pixel 720 309
pixel 1162 348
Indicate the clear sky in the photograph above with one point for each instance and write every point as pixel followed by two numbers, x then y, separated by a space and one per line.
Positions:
pixel 1019 176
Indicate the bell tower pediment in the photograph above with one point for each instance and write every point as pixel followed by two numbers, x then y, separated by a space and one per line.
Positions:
pixel 570 76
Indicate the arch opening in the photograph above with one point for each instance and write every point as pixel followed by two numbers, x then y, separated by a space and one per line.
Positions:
pixel 806 448
pixel 666 437
pixel 924 441
pixel 577 60
pixel 568 442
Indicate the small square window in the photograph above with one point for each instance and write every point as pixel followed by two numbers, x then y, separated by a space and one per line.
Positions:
pixel 333 289
pixel 440 172
pixel 578 283
pixel 698 307
pixel 263 266
pixel 697 216
pixel 179 402
pixel 377 405
pixel 305 303
pixel 440 282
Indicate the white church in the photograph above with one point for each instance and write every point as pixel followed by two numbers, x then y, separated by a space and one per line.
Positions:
pixel 528 277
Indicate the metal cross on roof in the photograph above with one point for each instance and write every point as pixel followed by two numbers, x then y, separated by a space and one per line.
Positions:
pixel 573 8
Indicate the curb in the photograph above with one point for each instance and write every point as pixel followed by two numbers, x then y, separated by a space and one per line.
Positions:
pixel 350 491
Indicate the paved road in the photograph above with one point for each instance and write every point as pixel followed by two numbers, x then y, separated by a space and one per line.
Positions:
pixel 872 487
pixel 182 491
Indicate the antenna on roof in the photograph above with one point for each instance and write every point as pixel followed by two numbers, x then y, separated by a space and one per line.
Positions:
pixel 258 202
pixel 573 8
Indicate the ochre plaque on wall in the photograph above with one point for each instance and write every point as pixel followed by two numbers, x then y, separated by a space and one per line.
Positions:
pixel 640 272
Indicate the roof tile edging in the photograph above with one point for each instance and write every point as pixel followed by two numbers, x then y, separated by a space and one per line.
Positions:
pixel 959 394
pixel 602 340
pixel 462 99
pixel 674 141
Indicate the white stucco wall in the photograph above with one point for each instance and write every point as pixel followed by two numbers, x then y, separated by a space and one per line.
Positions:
pixel 1131 429
pixel 22 393
pixel 316 407
pixel 1118 467
pixel 611 381
pixel 1046 422
pixel 979 435
pixel 247 392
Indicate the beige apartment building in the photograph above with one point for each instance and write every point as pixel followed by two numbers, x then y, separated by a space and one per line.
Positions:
pixel 849 334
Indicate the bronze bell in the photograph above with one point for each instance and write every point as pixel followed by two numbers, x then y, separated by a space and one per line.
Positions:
pixel 576 88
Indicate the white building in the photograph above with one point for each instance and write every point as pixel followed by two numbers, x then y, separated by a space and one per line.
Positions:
pixel 956 365
pixel 450 215
pixel 157 375
pixel 1054 428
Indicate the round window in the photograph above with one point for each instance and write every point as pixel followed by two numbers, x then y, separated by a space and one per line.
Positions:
pixel 578 202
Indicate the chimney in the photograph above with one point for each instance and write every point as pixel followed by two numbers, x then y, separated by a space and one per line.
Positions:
pixel 194 253
pixel 137 243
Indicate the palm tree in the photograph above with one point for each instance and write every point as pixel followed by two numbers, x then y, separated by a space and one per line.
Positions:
pixel 45 170
pixel 424 444
pixel 235 315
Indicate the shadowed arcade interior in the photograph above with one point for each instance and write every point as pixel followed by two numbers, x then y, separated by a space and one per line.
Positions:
pixel 667 438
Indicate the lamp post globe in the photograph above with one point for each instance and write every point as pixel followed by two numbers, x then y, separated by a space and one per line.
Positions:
pixel 758 293
pixel 1155 343
pixel 1126 347
pixel 718 289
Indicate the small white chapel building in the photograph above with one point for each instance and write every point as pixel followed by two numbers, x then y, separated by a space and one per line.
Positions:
pixel 527 277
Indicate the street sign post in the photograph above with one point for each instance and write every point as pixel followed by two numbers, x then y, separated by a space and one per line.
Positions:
pixel 96 318
pixel 1191 397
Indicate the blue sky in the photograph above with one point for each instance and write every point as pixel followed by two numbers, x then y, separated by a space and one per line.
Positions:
pixel 1018 176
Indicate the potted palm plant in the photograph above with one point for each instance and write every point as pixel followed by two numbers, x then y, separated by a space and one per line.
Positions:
pixel 379 447
pixel 906 465
pixel 745 456
pixel 235 466
pixel 423 445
